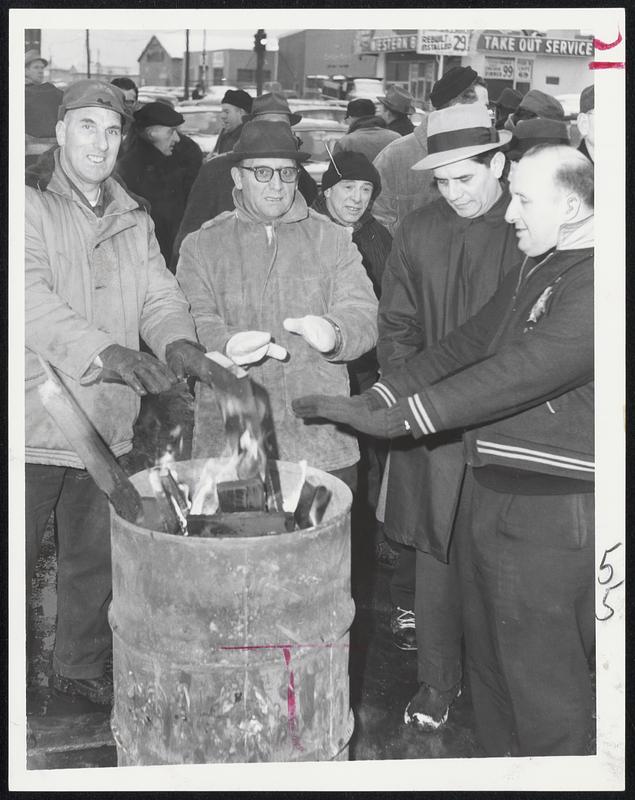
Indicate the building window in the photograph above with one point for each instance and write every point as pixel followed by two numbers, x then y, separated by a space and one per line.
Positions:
pixel 552 80
pixel 218 76
pixel 397 71
pixel 155 55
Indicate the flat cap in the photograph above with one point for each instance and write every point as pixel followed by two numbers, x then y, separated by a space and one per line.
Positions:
pixel 587 99
pixel 158 114
pixel 91 93
pixel 451 85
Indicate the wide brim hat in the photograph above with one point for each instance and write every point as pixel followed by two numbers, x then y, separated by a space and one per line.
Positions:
pixel 272 103
pixel 92 93
pixel 32 55
pixel 460 132
pixel 265 139
pixel 399 100
pixel 509 98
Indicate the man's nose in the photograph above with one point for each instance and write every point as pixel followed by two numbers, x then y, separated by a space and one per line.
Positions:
pixel 101 139
pixel 510 213
pixel 356 195
pixel 454 190
pixel 276 180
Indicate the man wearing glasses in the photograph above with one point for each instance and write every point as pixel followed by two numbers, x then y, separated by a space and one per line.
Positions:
pixel 279 289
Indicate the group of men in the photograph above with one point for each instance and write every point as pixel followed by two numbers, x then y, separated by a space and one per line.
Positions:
pixel 481 313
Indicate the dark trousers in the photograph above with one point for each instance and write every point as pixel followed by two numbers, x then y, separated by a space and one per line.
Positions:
pixel 526 565
pixel 402 581
pixel 82 637
pixel 438 621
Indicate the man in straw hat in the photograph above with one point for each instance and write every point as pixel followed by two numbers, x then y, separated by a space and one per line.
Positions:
pixel 448 259
pixel 281 289
pixel 397 105
pixel 212 191
pixel 95 282
pixel 517 380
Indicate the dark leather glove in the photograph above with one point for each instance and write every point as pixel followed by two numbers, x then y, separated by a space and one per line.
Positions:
pixel 387 423
pixel 186 358
pixel 141 371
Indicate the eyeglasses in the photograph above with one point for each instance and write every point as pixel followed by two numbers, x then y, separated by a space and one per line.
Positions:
pixel 265 174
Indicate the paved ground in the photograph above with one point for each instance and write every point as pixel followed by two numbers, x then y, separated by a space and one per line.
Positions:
pixel 65 733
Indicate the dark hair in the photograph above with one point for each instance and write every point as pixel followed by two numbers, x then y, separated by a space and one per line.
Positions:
pixel 125 84
pixel 574 173
pixel 486 159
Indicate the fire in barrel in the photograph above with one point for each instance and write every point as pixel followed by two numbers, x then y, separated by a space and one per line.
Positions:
pixel 231 609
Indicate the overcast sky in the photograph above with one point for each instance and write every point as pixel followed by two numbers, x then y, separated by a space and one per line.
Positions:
pixel 66 48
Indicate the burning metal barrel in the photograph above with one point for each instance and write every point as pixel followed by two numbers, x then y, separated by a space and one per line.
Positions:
pixel 232 648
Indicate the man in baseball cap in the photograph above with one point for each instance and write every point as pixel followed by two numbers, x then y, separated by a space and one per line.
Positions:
pixel 236 105
pixel 585 122
pixel 95 283
pixel 397 105
pixel 41 101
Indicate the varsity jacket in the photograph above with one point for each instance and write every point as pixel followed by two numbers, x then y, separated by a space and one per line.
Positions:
pixel 518 376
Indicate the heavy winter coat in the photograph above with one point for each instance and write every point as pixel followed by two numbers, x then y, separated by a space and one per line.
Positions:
pixel 367 135
pixel 442 269
pixel 373 242
pixel 41 102
pixel 91 282
pixel 517 377
pixel 240 273
pixel 226 140
pixel 402 125
pixel 164 181
pixel 403 189
pixel 212 193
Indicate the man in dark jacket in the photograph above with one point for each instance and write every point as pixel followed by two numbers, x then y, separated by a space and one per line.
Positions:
pixel 517 378
pixel 160 165
pixel 367 132
pixel 397 105
pixel 235 105
pixel 585 122
pixel 448 259
pixel 41 101
pixel 212 191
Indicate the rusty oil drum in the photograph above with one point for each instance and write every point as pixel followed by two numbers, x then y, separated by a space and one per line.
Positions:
pixel 233 649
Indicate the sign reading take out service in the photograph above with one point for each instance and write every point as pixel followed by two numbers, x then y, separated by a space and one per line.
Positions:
pixel 539 45
pixel 443 42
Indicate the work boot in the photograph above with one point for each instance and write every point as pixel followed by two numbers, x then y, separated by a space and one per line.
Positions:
pixel 402 627
pixel 429 708
pixel 97 690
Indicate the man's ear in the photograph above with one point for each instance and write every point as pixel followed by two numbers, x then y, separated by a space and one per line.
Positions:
pixel 60 132
pixel 573 203
pixel 497 164
pixel 583 124
pixel 237 178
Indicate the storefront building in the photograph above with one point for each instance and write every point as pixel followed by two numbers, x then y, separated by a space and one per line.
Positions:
pixel 552 61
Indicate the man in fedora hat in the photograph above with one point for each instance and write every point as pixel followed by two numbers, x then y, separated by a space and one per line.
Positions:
pixel 404 189
pixel 516 381
pixel 95 282
pixel 235 105
pixel 41 101
pixel 160 164
pixel 367 131
pixel 397 104
pixel 212 191
pixel 281 289
pixel 448 259
pixel 506 104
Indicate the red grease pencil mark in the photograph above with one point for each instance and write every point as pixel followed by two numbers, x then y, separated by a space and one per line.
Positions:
pixel 607 64
pixel 600 45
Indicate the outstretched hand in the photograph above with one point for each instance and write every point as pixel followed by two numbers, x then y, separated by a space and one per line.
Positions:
pixel 353 411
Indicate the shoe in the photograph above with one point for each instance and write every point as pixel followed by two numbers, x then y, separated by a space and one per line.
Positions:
pixel 429 708
pixel 402 627
pixel 97 690
pixel 385 556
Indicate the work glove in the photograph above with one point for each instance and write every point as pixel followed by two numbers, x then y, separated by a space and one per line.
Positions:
pixel 186 358
pixel 249 347
pixel 359 412
pixel 141 371
pixel 316 331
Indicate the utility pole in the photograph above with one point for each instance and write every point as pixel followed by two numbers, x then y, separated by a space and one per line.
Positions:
pixel 203 77
pixel 186 81
pixel 87 53
pixel 260 46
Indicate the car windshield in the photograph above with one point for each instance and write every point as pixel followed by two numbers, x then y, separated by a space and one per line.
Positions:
pixel 313 142
pixel 337 114
pixel 202 122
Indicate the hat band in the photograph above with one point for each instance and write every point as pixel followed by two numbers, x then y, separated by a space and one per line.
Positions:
pixel 466 137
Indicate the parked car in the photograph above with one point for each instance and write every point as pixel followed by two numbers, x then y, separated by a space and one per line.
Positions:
pixel 315 134
pixel 202 123
pixel 155 97
pixel 318 110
